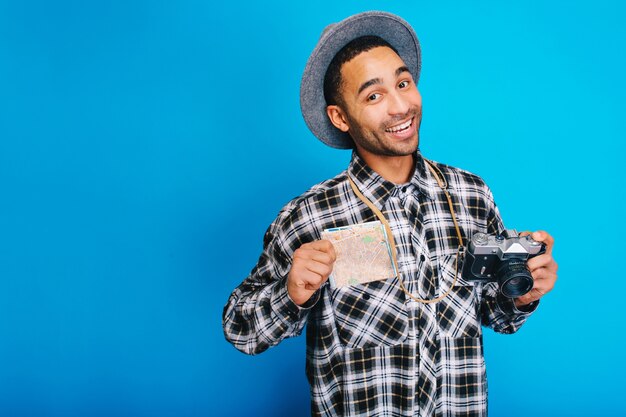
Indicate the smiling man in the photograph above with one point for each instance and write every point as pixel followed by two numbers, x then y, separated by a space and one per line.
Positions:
pixel 380 106
pixel 409 344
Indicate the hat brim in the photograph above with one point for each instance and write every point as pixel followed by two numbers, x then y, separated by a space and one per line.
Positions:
pixel 390 27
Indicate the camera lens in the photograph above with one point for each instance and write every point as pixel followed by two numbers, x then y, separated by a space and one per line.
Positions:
pixel 514 278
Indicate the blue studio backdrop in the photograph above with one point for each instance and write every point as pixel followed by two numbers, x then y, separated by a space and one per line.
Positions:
pixel 145 146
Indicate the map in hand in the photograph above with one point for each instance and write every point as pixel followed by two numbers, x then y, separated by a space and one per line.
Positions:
pixel 363 254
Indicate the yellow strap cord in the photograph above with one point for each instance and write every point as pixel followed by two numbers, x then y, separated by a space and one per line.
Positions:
pixel 442 183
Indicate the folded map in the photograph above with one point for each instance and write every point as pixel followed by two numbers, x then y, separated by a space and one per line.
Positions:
pixel 363 254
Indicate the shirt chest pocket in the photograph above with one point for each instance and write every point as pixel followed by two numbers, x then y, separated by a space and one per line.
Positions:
pixel 371 314
pixel 458 313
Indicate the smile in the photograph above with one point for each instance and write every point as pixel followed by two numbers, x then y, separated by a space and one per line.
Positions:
pixel 401 127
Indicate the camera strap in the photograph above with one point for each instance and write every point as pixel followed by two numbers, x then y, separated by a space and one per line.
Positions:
pixel 441 181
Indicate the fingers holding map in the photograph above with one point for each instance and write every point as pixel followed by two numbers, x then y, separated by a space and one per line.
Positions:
pixel 311 266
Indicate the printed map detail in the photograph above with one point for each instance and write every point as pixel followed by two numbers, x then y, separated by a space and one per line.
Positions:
pixel 363 254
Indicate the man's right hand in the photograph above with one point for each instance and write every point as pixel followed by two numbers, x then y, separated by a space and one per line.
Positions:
pixel 312 264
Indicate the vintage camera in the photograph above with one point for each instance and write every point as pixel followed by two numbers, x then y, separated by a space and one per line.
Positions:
pixel 502 258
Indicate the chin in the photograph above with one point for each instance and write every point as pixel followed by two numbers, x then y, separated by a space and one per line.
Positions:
pixel 413 146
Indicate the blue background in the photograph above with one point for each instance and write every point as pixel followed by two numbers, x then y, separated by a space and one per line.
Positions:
pixel 145 146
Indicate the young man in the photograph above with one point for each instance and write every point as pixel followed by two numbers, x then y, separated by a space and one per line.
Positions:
pixel 407 345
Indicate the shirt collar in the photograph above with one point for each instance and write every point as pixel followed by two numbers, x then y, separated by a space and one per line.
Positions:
pixel 378 190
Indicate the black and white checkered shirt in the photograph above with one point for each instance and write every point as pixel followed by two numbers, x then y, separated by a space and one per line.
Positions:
pixel 372 350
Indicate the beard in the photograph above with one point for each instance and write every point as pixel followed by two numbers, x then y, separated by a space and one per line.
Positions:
pixel 375 142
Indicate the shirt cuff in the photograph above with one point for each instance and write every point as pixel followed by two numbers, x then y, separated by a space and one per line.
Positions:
pixel 508 307
pixel 288 311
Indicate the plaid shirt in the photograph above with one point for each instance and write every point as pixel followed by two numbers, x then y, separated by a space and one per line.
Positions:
pixel 372 350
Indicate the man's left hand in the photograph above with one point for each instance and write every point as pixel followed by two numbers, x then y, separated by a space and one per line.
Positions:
pixel 543 270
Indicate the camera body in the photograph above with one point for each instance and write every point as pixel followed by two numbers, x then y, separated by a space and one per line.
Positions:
pixel 502 258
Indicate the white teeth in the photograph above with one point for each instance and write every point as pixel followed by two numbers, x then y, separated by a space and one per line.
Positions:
pixel 398 128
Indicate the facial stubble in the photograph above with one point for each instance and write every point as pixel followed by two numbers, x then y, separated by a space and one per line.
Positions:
pixel 374 142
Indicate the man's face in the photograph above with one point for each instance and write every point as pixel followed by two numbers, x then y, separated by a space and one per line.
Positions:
pixel 381 107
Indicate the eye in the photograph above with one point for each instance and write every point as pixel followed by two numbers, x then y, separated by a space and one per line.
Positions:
pixel 373 97
pixel 403 84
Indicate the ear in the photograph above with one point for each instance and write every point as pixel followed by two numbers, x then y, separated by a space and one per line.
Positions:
pixel 337 117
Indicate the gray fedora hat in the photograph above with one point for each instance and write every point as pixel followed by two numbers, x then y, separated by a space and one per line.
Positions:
pixel 388 26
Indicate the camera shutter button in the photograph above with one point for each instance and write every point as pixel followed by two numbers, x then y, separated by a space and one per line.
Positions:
pixel 480 239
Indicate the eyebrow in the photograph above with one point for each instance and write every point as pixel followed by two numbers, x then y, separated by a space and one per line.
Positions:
pixel 375 81
pixel 371 82
pixel 402 69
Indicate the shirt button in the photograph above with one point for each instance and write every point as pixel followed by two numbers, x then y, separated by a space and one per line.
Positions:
pixel 422 258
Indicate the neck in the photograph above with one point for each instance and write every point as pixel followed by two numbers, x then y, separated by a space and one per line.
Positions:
pixel 396 169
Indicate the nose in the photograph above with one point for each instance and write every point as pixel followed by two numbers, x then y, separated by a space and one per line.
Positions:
pixel 397 104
